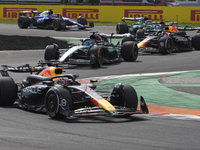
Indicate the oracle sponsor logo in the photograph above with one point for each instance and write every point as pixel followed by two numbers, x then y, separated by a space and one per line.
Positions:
pixel 195 15
pixel 151 14
pixel 15 12
pixel 74 13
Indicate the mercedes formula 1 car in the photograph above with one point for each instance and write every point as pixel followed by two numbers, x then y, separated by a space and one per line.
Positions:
pixel 61 95
pixel 48 20
pixel 94 51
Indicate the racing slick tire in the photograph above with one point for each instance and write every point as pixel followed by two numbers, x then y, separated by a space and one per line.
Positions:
pixel 51 52
pixel 57 24
pixel 165 45
pixel 127 39
pixel 121 28
pixel 83 21
pixel 23 22
pixel 129 51
pixel 140 33
pixel 124 95
pixel 130 97
pixel 96 56
pixel 195 42
pixel 56 98
pixel 8 91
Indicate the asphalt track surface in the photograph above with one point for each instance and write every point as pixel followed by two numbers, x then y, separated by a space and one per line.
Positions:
pixel 28 130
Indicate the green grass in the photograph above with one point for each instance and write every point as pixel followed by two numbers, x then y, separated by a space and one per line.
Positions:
pixel 104 23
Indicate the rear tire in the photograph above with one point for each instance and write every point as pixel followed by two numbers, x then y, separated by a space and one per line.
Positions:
pixel 83 21
pixel 195 42
pixel 129 51
pixel 121 28
pixel 51 52
pixel 96 56
pixel 53 99
pixel 23 22
pixel 165 45
pixel 8 91
pixel 140 33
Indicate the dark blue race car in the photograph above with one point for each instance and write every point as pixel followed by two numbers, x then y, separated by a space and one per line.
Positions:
pixel 49 20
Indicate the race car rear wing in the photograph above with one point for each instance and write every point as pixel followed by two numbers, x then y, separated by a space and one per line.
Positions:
pixel 24 68
pixel 23 13
pixel 134 18
pixel 117 36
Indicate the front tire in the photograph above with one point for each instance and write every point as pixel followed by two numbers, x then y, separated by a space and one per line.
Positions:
pixel 51 52
pixel 122 28
pixel 8 91
pixel 53 100
pixel 96 56
pixel 57 24
pixel 195 42
pixel 23 22
pixel 125 96
pixel 129 51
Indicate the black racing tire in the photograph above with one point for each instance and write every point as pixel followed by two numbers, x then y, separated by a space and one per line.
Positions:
pixel 130 96
pixel 51 52
pixel 129 51
pixel 83 21
pixel 8 91
pixel 165 45
pixel 122 28
pixel 195 41
pixel 53 99
pixel 140 33
pixel 23 22
pixel 127 39
pixel 57 24
pixel 96 56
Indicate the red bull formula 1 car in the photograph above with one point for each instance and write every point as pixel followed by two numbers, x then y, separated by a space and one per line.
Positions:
pixel 49 20
pixel 61 95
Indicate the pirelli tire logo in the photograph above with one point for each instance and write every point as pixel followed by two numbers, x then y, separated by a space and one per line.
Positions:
pixel 74 13
pixel 195 15
pixel 151 14
pixel 13 13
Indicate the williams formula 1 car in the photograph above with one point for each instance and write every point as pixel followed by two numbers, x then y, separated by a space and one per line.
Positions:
pixel 61 95
pixel 94 51
pixel 48 20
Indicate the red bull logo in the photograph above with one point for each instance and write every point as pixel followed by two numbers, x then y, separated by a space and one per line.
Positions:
pixel 195 15
pixel 151 14
pixel 74 13
pixel 14 12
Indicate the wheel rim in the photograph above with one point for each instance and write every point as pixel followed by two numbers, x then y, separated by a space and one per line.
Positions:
pixel 117 29
pixel 20 23
pixel 134 52
pixel 51 105
pixel 100 57
pixel 169 45
pixel 55 25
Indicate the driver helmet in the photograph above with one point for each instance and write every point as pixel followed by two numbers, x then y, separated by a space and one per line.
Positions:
pixel 63 80
pixel 50 11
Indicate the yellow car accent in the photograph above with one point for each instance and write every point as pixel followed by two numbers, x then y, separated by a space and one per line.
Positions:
pixel 105 104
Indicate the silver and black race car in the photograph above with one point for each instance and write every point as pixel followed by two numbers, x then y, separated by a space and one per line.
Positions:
pixel 49 20
pixel 94 51
pixel 165 42
pixel 61 95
